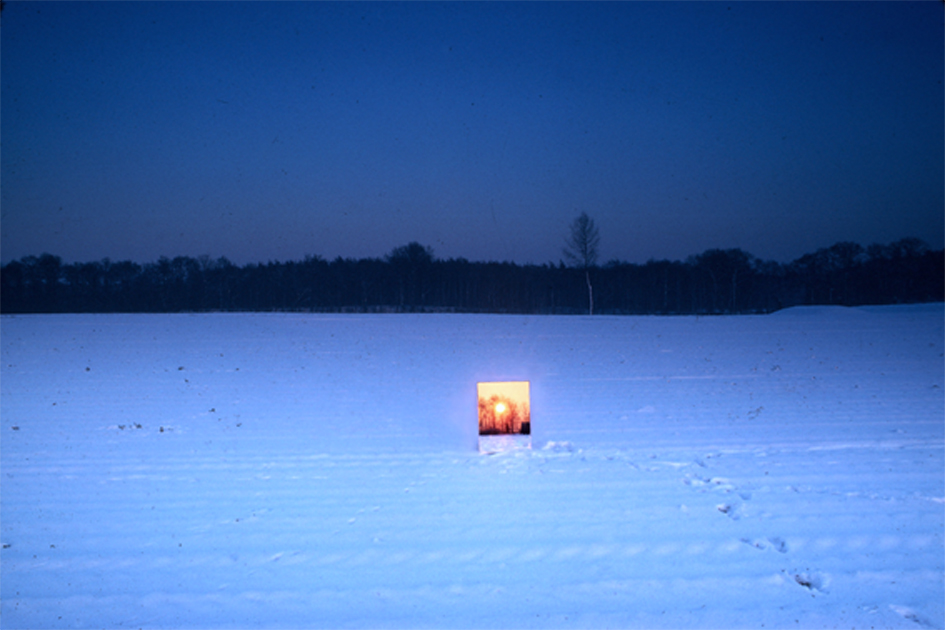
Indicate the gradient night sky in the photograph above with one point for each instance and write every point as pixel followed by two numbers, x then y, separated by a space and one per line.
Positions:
pixel 268 131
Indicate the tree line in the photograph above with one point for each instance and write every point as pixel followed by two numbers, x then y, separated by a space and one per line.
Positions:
pixel 412 279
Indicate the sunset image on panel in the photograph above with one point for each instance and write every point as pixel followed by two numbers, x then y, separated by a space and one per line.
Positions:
pixel 504 408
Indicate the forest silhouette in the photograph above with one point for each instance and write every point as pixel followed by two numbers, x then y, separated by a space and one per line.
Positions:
pixel 499 415
pixel 412 279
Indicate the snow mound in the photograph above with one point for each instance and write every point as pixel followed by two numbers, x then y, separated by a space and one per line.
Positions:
pixel 820 312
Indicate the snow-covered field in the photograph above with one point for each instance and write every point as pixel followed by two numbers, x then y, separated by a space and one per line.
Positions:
pixel 290 470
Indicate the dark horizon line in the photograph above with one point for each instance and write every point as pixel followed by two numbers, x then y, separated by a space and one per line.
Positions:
pixel 918 243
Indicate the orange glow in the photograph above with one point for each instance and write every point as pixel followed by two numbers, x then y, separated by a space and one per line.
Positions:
pixel 504 408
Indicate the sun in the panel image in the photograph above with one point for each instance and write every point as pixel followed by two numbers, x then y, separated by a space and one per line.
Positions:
pixel 504 408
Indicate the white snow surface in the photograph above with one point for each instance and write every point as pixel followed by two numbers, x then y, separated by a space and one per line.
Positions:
pixel 312 470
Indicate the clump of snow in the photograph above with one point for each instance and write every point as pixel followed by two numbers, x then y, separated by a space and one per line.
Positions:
pixel 288 470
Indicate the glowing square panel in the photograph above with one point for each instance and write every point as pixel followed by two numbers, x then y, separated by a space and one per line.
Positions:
pixel 504 408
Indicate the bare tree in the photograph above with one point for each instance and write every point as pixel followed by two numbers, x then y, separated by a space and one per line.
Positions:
pixel 581 251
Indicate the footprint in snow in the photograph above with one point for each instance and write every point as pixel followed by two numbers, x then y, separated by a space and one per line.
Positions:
pixel 912 615
pixel 730 510
pixel 811 580
pixel 778 544
pixel 716 484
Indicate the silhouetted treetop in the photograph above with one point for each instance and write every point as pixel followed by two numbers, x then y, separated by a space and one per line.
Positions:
pixel 581 245
pixel 411 254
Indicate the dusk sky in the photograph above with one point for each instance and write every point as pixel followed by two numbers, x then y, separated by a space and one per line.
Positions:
pixel 266 131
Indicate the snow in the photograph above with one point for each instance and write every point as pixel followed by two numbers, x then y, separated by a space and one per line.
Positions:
pixel 311 470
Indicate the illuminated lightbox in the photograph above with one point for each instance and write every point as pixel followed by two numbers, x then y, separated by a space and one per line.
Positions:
pixel 504 416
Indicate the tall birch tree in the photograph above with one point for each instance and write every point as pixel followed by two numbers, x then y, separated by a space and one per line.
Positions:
pixel 581 251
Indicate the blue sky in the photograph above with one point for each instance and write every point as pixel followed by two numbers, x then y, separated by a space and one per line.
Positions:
pixel 271 131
